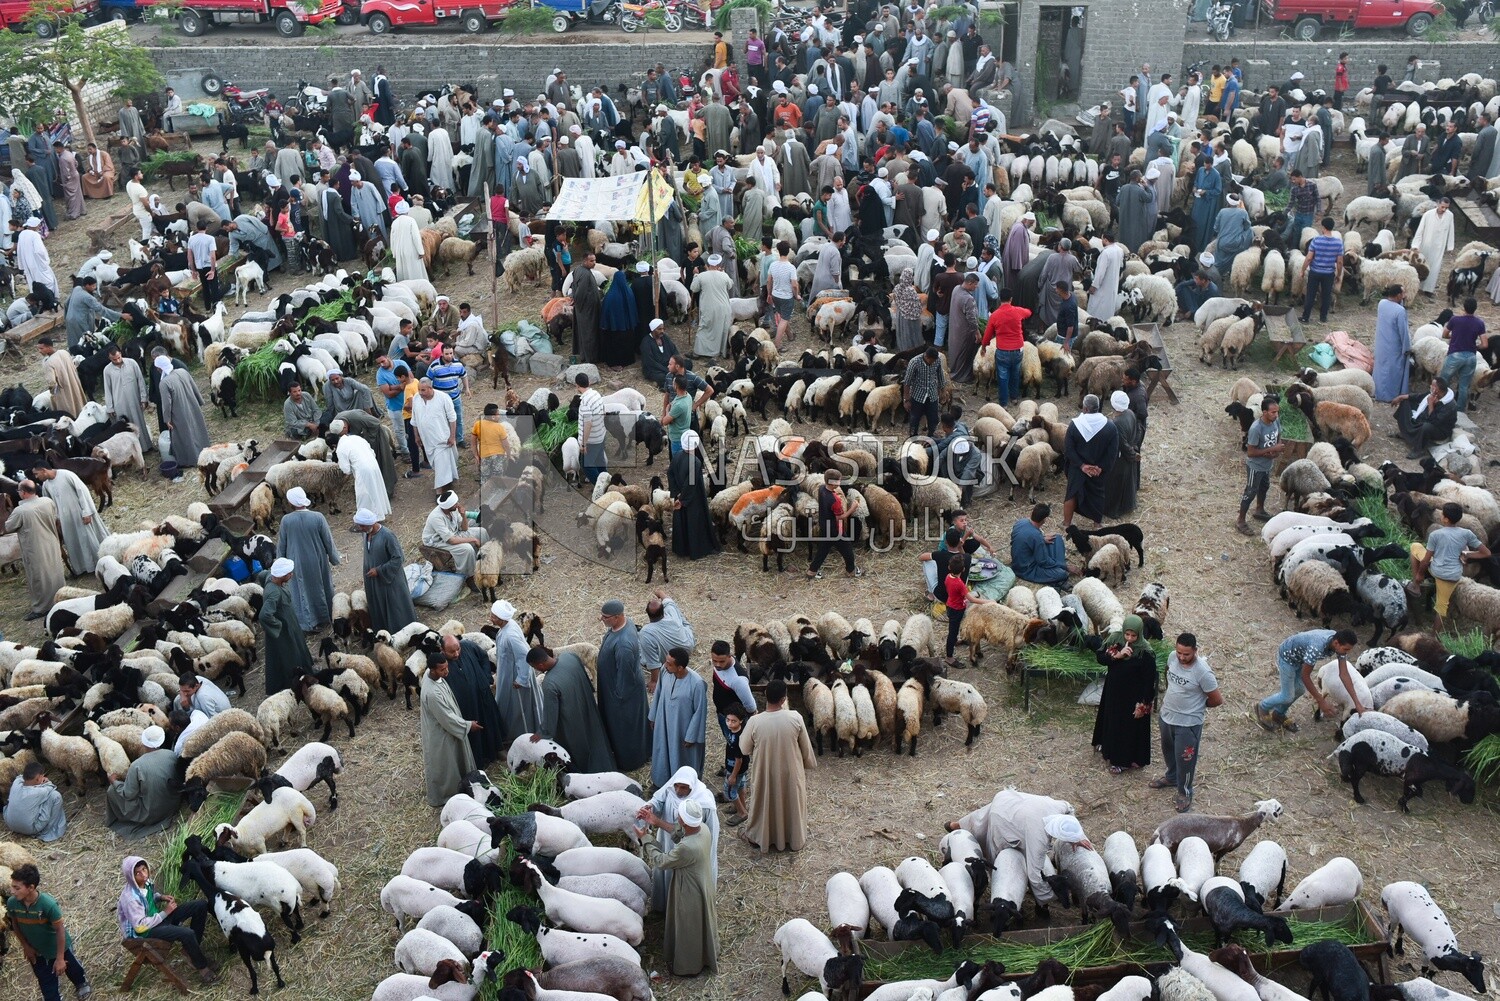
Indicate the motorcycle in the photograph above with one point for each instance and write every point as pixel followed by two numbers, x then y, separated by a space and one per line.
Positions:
pixel 313 99
pixel 633 15
pixel 1484 8
pixel 692 13
pixel 1221 21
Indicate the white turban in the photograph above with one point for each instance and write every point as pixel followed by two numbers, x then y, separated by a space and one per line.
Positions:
pixel 153 737
pixel 690 813
pixel 657 324
pixel 503 610
pixel 297 497
pixel 1064 827
pixel 1119 401
pixel 282 567
pixel 714 260
pixel 336 426
pixel 354 175
pixel 690 440
pixel 448 501
pixel 163 364
pixel 364 517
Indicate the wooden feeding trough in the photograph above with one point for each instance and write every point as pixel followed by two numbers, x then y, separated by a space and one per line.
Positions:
pixel 1133 955
pixel 1285 331
pixel 229 500
pixel 1295 438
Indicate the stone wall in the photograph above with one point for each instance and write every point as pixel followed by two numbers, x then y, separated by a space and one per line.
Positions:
pixel 1274 62
pixel 414 64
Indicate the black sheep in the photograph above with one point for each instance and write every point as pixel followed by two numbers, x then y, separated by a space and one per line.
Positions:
pixel 1336 972
pixel 1228 913
pixel 1423 768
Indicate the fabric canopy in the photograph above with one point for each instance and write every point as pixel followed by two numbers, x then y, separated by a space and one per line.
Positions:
pixel 618 199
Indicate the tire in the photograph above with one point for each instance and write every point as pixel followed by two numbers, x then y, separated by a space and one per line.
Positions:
pixel 672 20
pixel 211 84
pixel 474 23
pixel 560 23
pixel 287 25
pixel 192 23
pixel 1221 34
pixel 119 14
pixel 46 29
pixel 347 16
pixel 628 23
pixel 1307 29
pixel 1486 15
pixel 379 24
pixel 1418 25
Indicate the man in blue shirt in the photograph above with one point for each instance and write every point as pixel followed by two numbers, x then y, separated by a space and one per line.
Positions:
pixel 1324 268
pixel 389 386
pixel 449 376
pixel 1295 660
pixel 1038 557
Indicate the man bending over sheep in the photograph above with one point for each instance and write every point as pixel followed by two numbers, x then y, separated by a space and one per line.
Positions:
pixel 1022 820
pixel 1297 658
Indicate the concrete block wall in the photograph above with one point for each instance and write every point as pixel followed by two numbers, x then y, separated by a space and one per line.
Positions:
pixel 414 64
pixel 1121 35
pixel 1316 60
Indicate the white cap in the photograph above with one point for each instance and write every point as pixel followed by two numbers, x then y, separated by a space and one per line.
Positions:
pixel 333 372
pixel 690 813
pixel 297 497
pixel 952 33
pixel 619 144
pixel 643 267
pixel 1064 827
pixel 1296 76
pixel 365 517
pixel 1119 401
pixel 153 737
pixel 272 181
pixel 562 141
pixel 575 130
pixel 402 208
pixel 953 147
pixel 690 440
pixel 714 260
pixel 1233 199
pixel 33 222
pixel 657 324
pixel 812 88
pixel 507 92
pixel 932 234
pixel 164 364
pixel 882 172
pixel 503 610
pixel 1206 259
pixel 336 426
pixel 1152 173
pixel 282 567
pixel 355 175
pixel 830 149
pixel 441 297
pixel 1029 217
pixel 448 500
pixel 961 446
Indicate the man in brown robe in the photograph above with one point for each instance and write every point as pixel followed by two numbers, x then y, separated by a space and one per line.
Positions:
pixel 68 180
pixel 62 376
pixel 691 942
pixel 777 741
pixel 35 521
pixel 98 173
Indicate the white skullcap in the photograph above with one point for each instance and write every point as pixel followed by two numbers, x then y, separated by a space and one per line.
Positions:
pixel 503 610
pixel 1206 259
pixel 557 71
pixel 714 260
pixel 335 371
pixel 971 264
pixel 365 517
pixel 812 88
pixel 297 497
pixel 619 144
pixel 1119 401
pixel 1152 173
pixel 442 297
pixel 164 364
pixel 497 103
pixel 1064 827
pixel 778 86
pixel 507 92
pixel 1233 199
pixel 448 501
pixel 932 234
pixel 643 267
pixel 882 172
pixel 858 39
pixel 690 440
pixel 953 147
pixel 575 130
pixel 830 149
pixel 562 141
pixel 33 222
pixel 952 33
pixel 153 737
pixel 402 208
pixel 657 324
pixel 880 27
pixel 355 175
pixel 272 181
pixel 336 426
pixel 704 179
pixel 282 567
pixel 721 152
pixel 1296 76
pixel 1029 217
pixel 690 813
pixel 961 446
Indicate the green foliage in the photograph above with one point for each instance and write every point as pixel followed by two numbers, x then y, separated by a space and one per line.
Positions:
pixel 1373 506
pixel 1277 201
pixel 947 14
pixel 526 21
pixel 763 7
pixel 1075 662
pixel 255 375
pixel 219 809
pixel 41 76
pixel 1467 644
pixel 1483 758
pixel 517 792
pixel 559 429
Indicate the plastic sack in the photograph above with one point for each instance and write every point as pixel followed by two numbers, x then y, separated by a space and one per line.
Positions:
pixel 418 578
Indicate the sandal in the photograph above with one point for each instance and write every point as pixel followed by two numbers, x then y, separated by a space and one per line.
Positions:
pixel 814 575
pixel 1116 770
pixel 1162 784
pixel 857 573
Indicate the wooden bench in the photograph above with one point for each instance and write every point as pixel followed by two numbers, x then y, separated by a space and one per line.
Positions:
pixel 34 328
pixel 1483 220
pixel 232 497
pixel 152 952
pixel 102 236
pixel 225 269
pixel 1156 377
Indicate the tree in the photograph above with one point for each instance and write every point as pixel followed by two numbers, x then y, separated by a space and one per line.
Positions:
pixel 40 73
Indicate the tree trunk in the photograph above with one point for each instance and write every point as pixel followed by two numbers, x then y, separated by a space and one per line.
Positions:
pixel 84 121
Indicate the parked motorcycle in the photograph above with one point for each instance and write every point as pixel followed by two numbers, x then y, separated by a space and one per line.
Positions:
pixel 1221 21
pixel 633 15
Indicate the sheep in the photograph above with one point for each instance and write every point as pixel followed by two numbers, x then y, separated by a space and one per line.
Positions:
pixel 847 904
pixel 1221 834
pixel 121 450
pixel 1338 881
pixel 205 736
pixel 274 715
pixel 1371 751
pixel 286 808
pixel 246 933
pixel 318 878
pixel 406 897
pixel 1000 626
pixel 234 754
pixel 1103 608
pixel 75 756
pixel 1336 971
pixel 612 811
pixel 559 946
pixel 1177 984
pixel 112 757
pixel 1089 879
pixel 1032 466
pixel 593 860
pixel 1348 395
pixel 908 723
pixel 536 832
pixel 1411 910
pixel 1443 719
pixel 866 719
pixel 419 951
pixel 1382 723
pixel 1418 989
pixel 1375 275
pixel 586 914
pixel 447 983
pixel 961 698
pixel 1223 901
pixel 804 946
pixel 323 703
pixel 1108 564
pixel 261 884
pixel 1366 209
pixel 1264 871
pixel 1338 377
pixel 1318 589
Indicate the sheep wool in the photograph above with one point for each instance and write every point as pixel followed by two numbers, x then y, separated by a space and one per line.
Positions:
pixel 1336 882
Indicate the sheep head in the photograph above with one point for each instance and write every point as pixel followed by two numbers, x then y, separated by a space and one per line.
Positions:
pixel 1235 959
pixel 526 917
pixel 1164 930
pixel 1471 968
pixel 1268 809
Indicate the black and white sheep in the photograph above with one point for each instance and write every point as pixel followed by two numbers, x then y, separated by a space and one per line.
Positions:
pixel 247 934
pixel 1223 900
pixel 809 950
pixel 1264 871
pixel 1371 751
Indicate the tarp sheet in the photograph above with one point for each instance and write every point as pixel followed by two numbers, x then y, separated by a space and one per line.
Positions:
pixel 616 199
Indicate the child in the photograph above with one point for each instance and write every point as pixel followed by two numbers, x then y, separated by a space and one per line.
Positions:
pixel 736 766
pixel 488 436
pixel 958 599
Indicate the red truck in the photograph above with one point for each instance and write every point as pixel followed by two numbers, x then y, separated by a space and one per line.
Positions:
pixel 1309 17
pixel 290 17
pixel 15 13
pixel 473 17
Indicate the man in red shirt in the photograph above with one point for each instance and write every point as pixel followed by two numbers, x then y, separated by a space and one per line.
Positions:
pixel 786 114
pixel 1004 328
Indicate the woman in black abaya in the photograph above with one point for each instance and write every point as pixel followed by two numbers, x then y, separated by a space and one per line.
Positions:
pixel 1122 728
pixel 693 535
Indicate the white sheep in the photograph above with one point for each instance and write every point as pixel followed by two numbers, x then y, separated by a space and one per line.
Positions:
pixel 524 753
pixel 881 888
pixel 1103 608
pixel 407 898
pixel 1195 864
pixel 588 914
pixel 582 786
pixel 809 950
pixel 1264 868
pixel 847 904
pixel 601 859
pixel 604 813
pixel 442 867
pixel 1385 723
pixel 455 926
pixel 560 946
pixel 1412 911
pixel 419 951
pixel 1338 881
pixel 318 878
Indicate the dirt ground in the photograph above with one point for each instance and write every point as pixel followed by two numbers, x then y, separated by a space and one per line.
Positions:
pixel 879 808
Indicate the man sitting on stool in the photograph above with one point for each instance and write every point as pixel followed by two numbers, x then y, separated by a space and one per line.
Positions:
pixel 1429 422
